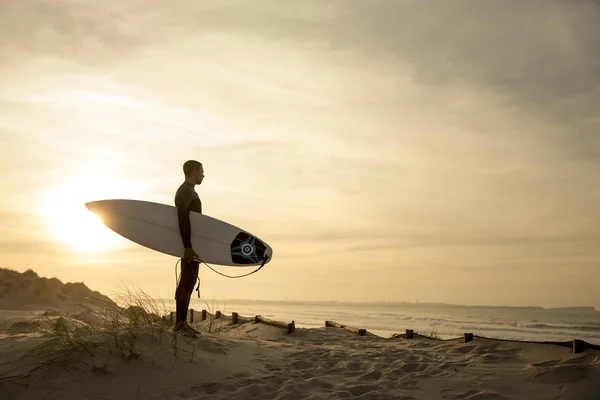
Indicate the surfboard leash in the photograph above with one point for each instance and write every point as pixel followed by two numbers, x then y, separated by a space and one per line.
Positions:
pixel 239 276
pixel 227 276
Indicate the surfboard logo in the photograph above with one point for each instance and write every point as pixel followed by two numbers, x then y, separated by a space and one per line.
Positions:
pixel 246 249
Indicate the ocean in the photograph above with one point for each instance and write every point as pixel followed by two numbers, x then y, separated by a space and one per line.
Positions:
pixel 445 321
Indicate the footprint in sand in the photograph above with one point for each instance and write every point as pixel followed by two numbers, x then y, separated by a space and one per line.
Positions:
pixel 272 368
pixel 316 382
pixel 564 371
pixel 304 385
pixel 498 355
pixel 494 358
pixel 396 372
pixel 301 364
pixel 360 390
pixel 472 395
pixel 253 391
pixel 549 363
pixel 413 367
pixel 569 373
pixel 371 376
pixel 410 385
pixel 454 365
pixel 207 388
pixel 354 366
pixel 343 395
pixel 585 360
pixel 465 349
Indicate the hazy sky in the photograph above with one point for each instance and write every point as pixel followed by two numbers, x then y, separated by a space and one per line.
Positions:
pixel 387 150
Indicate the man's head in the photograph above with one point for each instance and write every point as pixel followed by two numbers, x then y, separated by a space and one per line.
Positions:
pixel 194 171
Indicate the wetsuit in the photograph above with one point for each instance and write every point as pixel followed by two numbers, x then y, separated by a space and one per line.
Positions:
pixel 186 200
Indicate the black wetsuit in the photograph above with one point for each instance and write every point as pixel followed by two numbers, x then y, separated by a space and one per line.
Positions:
pixel 186 200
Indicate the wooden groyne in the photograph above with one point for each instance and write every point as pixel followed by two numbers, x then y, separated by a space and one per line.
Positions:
pixel 236 319
pixel 290 327
pixel 358 331
pixel 576 345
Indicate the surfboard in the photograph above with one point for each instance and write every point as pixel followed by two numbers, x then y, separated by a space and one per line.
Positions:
pixel 156 226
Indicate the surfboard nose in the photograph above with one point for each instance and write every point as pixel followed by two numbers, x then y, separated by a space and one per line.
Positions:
pixel 93 206
pixel 99 207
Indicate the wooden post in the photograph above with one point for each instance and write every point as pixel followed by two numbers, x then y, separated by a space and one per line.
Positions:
pixel 203 315
pixel 171 317
pixel 191 315
pixel 468 337
pixel 358 331
pixel 333 324
pixel 234 318
pixel 291 327
pixel 410 334
pixel 578 346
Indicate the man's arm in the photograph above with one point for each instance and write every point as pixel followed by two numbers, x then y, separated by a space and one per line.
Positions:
pixel 183 203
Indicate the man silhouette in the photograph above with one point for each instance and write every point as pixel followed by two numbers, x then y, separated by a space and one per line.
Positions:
pixel 187 200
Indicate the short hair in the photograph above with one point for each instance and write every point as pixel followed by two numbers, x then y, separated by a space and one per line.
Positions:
pixel 190 166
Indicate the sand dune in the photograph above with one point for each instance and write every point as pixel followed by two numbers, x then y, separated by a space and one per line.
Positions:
pixel 27 290
pixel 90 354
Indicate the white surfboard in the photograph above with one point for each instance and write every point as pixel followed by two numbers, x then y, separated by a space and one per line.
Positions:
pixel 156 226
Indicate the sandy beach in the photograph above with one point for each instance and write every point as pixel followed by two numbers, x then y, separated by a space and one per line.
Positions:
pixel 64 341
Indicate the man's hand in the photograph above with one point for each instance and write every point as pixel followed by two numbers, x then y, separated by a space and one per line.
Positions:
pixel 190 254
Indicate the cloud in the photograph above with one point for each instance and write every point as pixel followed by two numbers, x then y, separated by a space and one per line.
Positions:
pixel 538 58
pixel 355 239
pixel 538 50
pixel 28 246
pixel 78 31
pixel 538 53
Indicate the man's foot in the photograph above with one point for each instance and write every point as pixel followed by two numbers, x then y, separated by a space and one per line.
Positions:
pixel 182 328
pixel 192 329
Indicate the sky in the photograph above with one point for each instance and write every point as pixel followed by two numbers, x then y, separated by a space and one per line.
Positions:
pixel 387 150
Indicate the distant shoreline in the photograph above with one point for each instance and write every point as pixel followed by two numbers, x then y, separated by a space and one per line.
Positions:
pixel 407 304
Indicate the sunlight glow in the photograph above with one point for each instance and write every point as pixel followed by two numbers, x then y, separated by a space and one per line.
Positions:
pixel 70 222
pixel 86 98
pixel 116 111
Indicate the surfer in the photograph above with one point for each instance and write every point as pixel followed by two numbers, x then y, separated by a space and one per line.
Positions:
pixel 186 200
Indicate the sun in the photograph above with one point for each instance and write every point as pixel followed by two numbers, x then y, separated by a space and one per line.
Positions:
pixel 74 226
pixel 69 222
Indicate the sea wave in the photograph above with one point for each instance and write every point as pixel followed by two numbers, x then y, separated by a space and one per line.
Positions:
pixel 520 324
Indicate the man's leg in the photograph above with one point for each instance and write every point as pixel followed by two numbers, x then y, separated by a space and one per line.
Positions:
pixel 183 293
pixel 194 267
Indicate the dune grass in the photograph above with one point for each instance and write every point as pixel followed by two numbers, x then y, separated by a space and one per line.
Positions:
pixel 433 334
pixel 66 341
